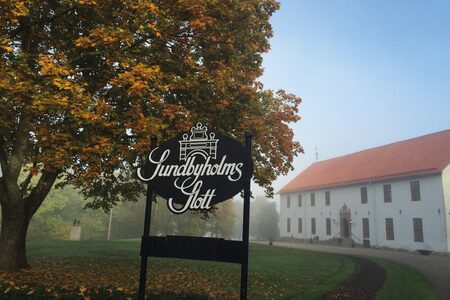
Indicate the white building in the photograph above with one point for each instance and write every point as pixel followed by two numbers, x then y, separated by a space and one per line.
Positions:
pixel 397 196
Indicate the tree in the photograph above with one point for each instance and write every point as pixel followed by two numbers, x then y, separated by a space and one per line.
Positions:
pixel 55 217
pixel 164 222
pixel 264 219
pixel 221 225
pixel 85 83
pixel 48 222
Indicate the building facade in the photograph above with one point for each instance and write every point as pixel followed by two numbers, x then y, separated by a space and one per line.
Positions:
pixel 396 196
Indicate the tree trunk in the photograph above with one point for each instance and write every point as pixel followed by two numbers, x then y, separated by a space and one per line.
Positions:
pixel 17 212
pixel 15 221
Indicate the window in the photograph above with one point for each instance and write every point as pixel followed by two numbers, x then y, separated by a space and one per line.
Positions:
pixel 288 224
pixel 328 225
pixel 327 198
pixel 364 195
pixel 299 200
pixel 288 201
pixel 313 199
pixel 415 190
pixel 365 223
pixel 313 225
pixel 387 193
pixel 389 229
pixel 300 225
pixel 418 229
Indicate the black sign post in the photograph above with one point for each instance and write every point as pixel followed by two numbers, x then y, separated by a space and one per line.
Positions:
pixel 147 223
pixel 246 225
pixel 193 173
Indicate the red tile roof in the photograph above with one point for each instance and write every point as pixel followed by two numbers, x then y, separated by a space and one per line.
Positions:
pixel 426 154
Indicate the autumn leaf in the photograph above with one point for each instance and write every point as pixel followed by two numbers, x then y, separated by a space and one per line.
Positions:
pixel 6 48
pixel 86 2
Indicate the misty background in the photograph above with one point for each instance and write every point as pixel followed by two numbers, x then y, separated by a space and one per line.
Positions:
pixel 56 216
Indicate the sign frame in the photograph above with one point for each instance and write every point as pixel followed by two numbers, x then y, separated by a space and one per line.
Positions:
pixel 218 248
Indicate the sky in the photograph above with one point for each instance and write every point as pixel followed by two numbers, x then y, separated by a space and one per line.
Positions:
pixel 369 73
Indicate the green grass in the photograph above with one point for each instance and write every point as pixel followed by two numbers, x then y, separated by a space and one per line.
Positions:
pixel 403 282
pixel 274 273
pixel 122 249
pixel 300 274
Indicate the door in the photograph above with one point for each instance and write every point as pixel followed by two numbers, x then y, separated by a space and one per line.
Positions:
pixel 366 232
pixel 346 228
pixel 345 217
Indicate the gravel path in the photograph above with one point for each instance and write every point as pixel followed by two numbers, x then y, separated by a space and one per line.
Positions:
pixel 435 267
pixel 366 283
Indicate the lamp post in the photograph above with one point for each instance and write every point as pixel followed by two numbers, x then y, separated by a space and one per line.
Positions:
pixel 110 221
pixel 116 174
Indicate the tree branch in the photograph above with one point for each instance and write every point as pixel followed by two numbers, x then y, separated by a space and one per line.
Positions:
pixel 105 51
pixel 3 160
pixel 19 29
pixel 19 148
pixel 10 189
pixel 3 200
pixel 41 190
pixel 26 182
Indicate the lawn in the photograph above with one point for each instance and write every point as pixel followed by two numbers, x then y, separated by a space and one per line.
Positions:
pixel 110 270
pixel 87 269
pixel 404 283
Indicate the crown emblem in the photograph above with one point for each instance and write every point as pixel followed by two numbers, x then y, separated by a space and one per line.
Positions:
pixel 198 143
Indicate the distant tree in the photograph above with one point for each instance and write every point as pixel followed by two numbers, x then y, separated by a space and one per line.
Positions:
pixel 162 220
pixel 128 220
pixel 84 83
pixel 190 223
pixel 264 219
pixel 239 212
pixel 221 224
pixel 57 214
pixel 48 223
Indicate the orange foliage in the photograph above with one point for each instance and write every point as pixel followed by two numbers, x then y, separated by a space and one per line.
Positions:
pixel 98 78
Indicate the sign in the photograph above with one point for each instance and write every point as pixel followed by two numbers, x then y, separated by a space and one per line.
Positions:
pixel 197 170
pixel 193 172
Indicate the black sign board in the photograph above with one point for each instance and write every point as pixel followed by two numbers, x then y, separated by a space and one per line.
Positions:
pixel 197 170
pixel 193 172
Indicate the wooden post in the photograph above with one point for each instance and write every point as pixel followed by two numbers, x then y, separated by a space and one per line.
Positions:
pixel 246 225
pixel 147 223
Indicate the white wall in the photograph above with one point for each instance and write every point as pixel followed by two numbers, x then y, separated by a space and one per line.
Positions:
pixel 446 190
pixel 435 228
